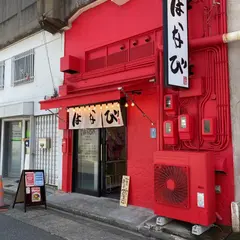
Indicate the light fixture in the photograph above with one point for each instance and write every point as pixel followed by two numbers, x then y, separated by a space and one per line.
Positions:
pixel 106 106
pixel 89 108
pixel 73 109
pixel 132 104
pixel 84 108
pixel 94 107
pixel 118 105
pixel 101 107
pixel 126 104
pixel 152 80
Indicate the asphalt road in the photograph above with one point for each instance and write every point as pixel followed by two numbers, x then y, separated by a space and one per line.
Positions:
pixel 41 224
pixel 11 229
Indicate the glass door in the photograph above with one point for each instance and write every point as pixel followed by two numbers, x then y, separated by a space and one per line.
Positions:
pixel 114 161
pixel 86 166
pixel 15 149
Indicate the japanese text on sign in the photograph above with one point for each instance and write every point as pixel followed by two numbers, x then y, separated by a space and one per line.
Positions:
pixel 124 191
pixel 99 116
pixel 177 36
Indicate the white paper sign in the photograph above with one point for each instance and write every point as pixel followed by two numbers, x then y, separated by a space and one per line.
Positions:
pixel 112 116
pixel 96 116
pixel 177 43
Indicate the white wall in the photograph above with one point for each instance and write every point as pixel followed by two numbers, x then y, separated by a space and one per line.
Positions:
pixel 42 84
pixel 234 71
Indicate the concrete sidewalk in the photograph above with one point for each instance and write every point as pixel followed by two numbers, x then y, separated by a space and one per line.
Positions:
pixel 132 218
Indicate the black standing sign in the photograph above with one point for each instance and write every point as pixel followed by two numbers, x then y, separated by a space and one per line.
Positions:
pixel 31 189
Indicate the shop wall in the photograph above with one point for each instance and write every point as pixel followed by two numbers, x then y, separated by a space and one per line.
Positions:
pixel 208 96
pixel 42 84
pixel 109 23
pixel 141 148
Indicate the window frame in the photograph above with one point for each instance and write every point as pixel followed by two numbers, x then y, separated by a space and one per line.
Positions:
pixel 2 75
pixel 30 78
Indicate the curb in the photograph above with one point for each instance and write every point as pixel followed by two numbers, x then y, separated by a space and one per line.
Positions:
pixel 110 221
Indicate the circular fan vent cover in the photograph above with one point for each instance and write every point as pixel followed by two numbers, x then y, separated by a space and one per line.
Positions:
pixel 171 185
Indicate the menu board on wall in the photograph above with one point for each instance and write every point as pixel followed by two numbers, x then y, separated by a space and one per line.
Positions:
pixel 31 189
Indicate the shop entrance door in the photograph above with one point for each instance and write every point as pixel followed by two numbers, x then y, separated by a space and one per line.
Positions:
pixel 86 167
pixel 99 161
pixel 114 161
pixel 14 148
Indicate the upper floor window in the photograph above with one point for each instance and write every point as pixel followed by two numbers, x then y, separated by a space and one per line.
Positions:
pixel 2 74
pixel 23 68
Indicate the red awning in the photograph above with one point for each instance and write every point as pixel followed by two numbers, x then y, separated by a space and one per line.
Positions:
pixel 78 99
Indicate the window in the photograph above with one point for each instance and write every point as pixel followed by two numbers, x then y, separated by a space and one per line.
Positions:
pixel 2 74
pixel 23 68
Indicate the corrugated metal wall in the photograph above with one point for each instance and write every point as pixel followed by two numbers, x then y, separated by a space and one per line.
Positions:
pixel 46 159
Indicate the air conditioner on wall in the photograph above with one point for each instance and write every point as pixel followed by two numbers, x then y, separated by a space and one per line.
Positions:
pixel 184 186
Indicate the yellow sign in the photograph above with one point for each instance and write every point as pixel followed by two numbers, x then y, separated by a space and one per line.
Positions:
pixel 124 191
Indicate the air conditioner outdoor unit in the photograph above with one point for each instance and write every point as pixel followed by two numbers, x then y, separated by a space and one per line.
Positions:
pixel 184 186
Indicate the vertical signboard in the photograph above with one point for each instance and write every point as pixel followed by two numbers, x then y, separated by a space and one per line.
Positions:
pixel 175 13
pixel 124 191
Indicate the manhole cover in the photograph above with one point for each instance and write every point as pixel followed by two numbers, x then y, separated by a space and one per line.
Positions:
pixel 9 185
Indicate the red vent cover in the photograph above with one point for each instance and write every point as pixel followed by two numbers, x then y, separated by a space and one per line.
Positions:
pixel 142 51
pixel 171 185
pixel 96 63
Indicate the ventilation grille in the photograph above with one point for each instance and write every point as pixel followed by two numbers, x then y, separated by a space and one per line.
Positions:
pixel 96 63
pixel 142 51
pixel 118 58
pixel 171 185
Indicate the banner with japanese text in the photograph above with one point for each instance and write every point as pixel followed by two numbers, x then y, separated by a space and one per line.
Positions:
pixel 176 43
pixel 99 116
pixel 112 116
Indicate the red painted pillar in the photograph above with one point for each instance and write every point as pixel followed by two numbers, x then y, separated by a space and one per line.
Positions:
pixel 67 155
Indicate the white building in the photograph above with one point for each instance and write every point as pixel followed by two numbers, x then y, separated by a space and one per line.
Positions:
pixel 29 71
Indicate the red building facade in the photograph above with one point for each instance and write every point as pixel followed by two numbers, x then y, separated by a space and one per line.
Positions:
pixel 122 46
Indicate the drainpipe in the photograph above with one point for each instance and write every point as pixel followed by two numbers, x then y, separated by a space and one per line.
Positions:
pixel 215 40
